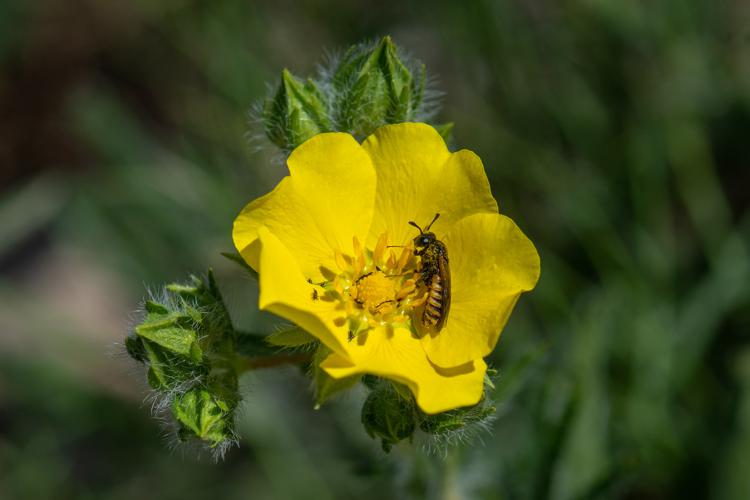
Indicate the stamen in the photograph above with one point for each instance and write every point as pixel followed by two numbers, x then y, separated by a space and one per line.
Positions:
pixel 391 261
pixel 359 264
pixel 377 255
pixel 341 260
pixel 405 255
pixel 376 287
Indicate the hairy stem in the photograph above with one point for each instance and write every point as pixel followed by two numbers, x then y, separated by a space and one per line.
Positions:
pixel 244 364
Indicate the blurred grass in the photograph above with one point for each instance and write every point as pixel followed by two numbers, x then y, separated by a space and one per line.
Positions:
pixel 612 132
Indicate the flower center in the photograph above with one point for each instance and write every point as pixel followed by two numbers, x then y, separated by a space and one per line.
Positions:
pixel 374 290
pixel 376 287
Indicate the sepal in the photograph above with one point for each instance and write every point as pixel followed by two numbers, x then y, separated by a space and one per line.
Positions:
pixel 325 385
pixel 296 112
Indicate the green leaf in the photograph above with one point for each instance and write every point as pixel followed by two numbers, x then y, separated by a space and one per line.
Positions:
pixel 203 416
pixel 178 340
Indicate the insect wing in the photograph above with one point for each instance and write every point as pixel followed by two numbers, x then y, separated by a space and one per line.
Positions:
pixel 444 272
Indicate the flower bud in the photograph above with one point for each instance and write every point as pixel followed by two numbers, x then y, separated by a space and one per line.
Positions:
pixel 187 342
pixel 374 87
pixel 204 415
pixel 456 420
pixel 295 113
pixel 389 415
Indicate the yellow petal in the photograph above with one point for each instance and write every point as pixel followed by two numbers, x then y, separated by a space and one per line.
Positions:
pixel 418 177
pixel 491 263
pixel 284 291
pixel 397 355
pixel 325 201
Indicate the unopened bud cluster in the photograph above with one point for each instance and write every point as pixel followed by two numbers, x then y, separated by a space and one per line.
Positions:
pixel 370 85
pixel 186 341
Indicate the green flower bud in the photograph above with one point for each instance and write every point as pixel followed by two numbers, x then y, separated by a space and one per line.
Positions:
pixel 456 420
pixel 458 425
pixel 202 414
pixel 296 112
pixel 374 87
pixel 388 415
pixel 187 342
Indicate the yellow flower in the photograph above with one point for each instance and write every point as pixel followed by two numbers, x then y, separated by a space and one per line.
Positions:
pixel 334 252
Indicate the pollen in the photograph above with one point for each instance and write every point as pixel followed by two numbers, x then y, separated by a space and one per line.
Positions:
pixel 376 286
pixel 375 290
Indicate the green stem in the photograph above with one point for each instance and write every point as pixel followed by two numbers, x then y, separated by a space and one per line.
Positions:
pixel 244 364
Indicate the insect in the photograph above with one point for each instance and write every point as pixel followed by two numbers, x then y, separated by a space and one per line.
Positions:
pixel 435 274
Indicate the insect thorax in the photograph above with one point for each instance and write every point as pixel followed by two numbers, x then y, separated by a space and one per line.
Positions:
pixel 430 256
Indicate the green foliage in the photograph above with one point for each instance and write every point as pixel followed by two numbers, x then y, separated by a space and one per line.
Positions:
pixel 187 342
pixel 204 415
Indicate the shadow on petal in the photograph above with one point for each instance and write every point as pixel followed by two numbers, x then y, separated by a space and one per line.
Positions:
pixel 453 371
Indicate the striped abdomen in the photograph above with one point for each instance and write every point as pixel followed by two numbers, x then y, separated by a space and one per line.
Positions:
pixel 438 299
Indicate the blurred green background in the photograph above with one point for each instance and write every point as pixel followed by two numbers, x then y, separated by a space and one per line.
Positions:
pixel 617 135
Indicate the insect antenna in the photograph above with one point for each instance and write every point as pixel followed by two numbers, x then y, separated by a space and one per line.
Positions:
pixel 431 223
pixel 412 223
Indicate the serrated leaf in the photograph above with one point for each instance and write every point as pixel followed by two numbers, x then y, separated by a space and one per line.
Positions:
pixel 205 416
pixel 175 339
